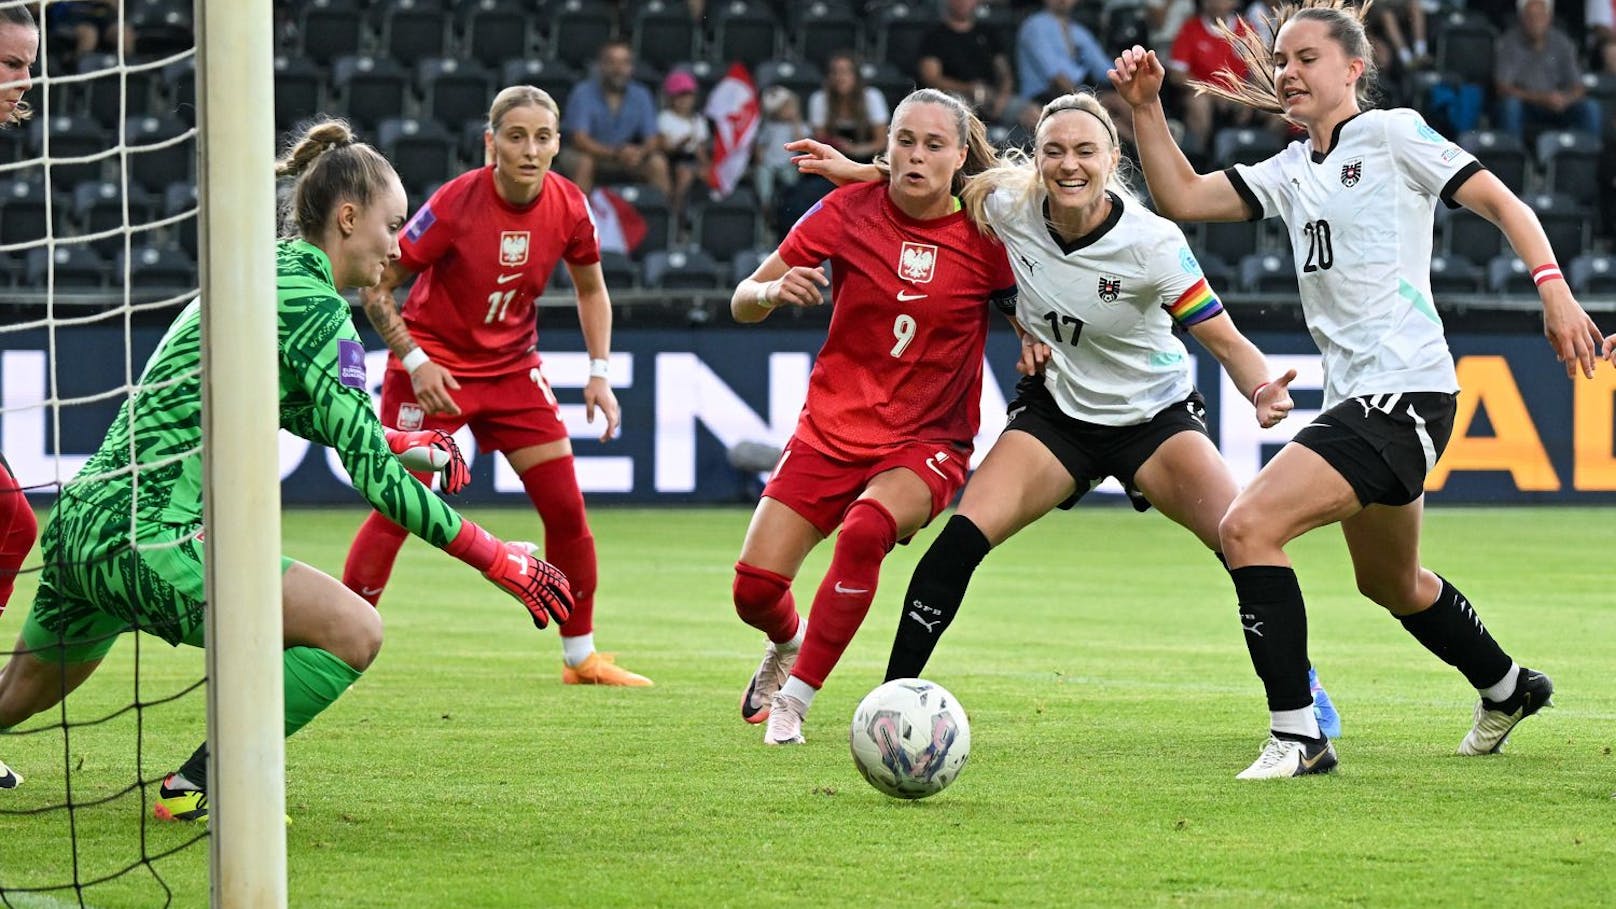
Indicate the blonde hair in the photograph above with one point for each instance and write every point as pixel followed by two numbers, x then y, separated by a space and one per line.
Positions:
pixel 1256 88
pixel 18 15
pixel 1017 173
pixel 327 164
pixel 980 155
pixel 514 96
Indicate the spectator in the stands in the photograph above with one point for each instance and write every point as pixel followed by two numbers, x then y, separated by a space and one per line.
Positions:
pixel 1056 55
pixel 1539 81
pixel 682 132
pixel 1201 53
pixel 963 57
pixel 846 114
pixel 1412 50
pixel 773 171
pixel 610 123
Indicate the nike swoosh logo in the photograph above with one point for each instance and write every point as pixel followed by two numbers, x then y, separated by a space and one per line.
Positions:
pixel 506 279
pixel 850 590
pixel 371 591
pixel 932 463
pixel 1309 763
pixel 905 296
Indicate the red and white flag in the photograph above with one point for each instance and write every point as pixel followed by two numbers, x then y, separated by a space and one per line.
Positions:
pixel 733 109
pixel 619 226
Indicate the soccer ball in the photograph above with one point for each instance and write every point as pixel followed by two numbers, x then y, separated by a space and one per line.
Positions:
pixel 910 738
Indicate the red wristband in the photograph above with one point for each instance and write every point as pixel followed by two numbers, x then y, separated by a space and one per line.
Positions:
pixel 1257 391
pixel 1543 274
pixel 475 546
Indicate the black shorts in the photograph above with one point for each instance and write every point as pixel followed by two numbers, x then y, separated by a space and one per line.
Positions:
pixel 1384 445
pixel 1090 452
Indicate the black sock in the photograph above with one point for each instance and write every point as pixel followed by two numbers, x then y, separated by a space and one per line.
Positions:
pixel 195 767
pixel 934 595
pixel 1275 623
pixel 1451 629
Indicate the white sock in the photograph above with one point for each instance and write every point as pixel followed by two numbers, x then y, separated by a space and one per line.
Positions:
pixel 577 649
pixel 1504 686
pixel 796 640
pixel 802 691
pixel 1295 722
pixel 1405 55
pixel 1419 49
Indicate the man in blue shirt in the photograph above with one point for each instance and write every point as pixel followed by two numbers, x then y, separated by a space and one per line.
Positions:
pixel 1057 56
pixel 610 126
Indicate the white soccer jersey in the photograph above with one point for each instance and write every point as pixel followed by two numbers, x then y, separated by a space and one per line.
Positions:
pixel 1106 305
pixel 1359 218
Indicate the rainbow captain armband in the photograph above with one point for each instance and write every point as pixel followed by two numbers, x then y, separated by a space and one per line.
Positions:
pixel 1195 305
pixel 1543 274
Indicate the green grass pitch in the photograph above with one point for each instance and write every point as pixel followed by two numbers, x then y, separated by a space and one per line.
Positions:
pixel 1111 704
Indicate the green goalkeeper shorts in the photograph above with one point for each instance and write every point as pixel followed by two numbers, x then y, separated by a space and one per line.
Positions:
pixel 94 585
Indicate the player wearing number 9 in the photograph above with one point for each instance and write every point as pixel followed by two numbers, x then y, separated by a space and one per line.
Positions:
pixel 464 349
pixel 885 437
pixel 345 209
pixel 1102 285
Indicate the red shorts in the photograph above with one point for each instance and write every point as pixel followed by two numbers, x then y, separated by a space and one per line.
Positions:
pixel 507 412
pixel 821 488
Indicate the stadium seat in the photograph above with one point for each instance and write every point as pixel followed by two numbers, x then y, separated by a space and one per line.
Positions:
pixel 179 199
pixel 889 80
pixel 1565 221
pixel 105 98
pixel 76 267
pixel 900 28
pixel 1267 273
pixel 413 29
pixel 724 227
pixel 1231 241
pixel 70 137
pixel 156 271
pixel 824 28
pixel 1500 152
pixel 745 262
pixel 1594 274
pixel 12 144
pixel 1455 275
pixel 298 84
pixel 154 168
pixel 682 269
pixel 162 27
pixel 619 270
pixel 422 151
pixel 1507 274
pixel 1464 48
pixel 453 89
pixel 1471 236
pixel 553 76
pixel 653 206
pixel 179 78
pixel 802 78
pixel 372 88
pixel 578 30
pixel 1240 145
pixel 664 34
pixel 330 29
pixel 1602 88
pixel 22 211
pixel 1124 25
pixel 496 32
pixel 1570 161
pixel 98 205
pixel 1219 276
pixel 745 33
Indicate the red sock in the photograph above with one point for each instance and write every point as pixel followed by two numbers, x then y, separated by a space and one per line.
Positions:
pixel 568 544
pixel 17 531
pixel 868 534
pixel 371 557
pixel 763 600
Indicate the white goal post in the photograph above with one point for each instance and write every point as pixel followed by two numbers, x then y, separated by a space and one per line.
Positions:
pixel 236 193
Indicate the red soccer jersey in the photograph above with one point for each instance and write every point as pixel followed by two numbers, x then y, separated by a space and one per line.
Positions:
pixel 902 361
pixel 482 261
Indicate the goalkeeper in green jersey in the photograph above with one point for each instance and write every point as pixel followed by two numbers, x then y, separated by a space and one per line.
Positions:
pixel 123 549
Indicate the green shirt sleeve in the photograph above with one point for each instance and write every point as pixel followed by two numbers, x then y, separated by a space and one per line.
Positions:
pixel 324 399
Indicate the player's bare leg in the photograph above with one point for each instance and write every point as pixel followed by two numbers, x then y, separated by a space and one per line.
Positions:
pixel 1018 482
pixel 30 685
pixel 772 553
pixel 550 478
pixel 894 505
pixel 1385 546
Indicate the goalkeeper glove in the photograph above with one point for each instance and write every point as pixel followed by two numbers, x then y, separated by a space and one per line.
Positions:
pixel 540 586
pixel 431 451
